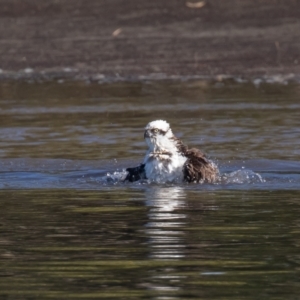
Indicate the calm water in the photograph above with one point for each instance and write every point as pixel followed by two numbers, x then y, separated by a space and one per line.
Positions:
pixel 70 229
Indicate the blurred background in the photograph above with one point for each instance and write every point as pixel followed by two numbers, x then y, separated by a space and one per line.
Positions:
pixel 131 38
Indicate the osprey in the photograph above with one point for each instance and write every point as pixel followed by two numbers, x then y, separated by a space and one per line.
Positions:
pixel 169 160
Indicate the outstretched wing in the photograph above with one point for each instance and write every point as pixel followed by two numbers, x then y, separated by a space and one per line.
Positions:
pixel 135 174
pixel 198 168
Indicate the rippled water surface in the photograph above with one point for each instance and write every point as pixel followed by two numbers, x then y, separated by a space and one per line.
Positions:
pixel 70 228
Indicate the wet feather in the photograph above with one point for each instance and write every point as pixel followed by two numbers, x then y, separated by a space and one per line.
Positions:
pixel 168 159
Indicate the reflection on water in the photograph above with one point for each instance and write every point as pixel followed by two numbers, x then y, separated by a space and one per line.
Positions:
pixel 164 228
pixel 165 232
pixel 71 229
pixel 131 243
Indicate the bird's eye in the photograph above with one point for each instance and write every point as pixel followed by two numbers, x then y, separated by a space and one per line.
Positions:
pixel 155 130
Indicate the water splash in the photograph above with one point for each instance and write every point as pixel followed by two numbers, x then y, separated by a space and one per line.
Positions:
pixel 56 174
pixel 242 176
pixel 115 177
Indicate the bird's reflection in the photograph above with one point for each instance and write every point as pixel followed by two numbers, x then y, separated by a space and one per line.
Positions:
pixel 165 221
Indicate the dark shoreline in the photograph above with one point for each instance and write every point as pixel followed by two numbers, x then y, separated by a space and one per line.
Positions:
pixel 104 41
pixel 62 77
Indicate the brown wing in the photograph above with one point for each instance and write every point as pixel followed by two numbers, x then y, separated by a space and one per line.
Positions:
pixel 198 168
pixel 182 148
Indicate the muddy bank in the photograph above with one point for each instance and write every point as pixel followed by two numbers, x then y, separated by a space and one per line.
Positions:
pixel 149 39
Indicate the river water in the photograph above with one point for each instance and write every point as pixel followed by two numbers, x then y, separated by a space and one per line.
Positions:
pixel 71 229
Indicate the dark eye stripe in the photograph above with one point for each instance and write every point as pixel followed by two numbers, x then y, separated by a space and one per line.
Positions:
pixel 160 131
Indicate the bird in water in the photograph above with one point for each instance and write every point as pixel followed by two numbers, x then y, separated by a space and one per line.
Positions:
pixel 169 160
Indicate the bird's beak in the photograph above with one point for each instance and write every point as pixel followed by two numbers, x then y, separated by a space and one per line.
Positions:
pixel 146 134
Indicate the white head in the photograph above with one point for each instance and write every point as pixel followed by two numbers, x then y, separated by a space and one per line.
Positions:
pixel 158 136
